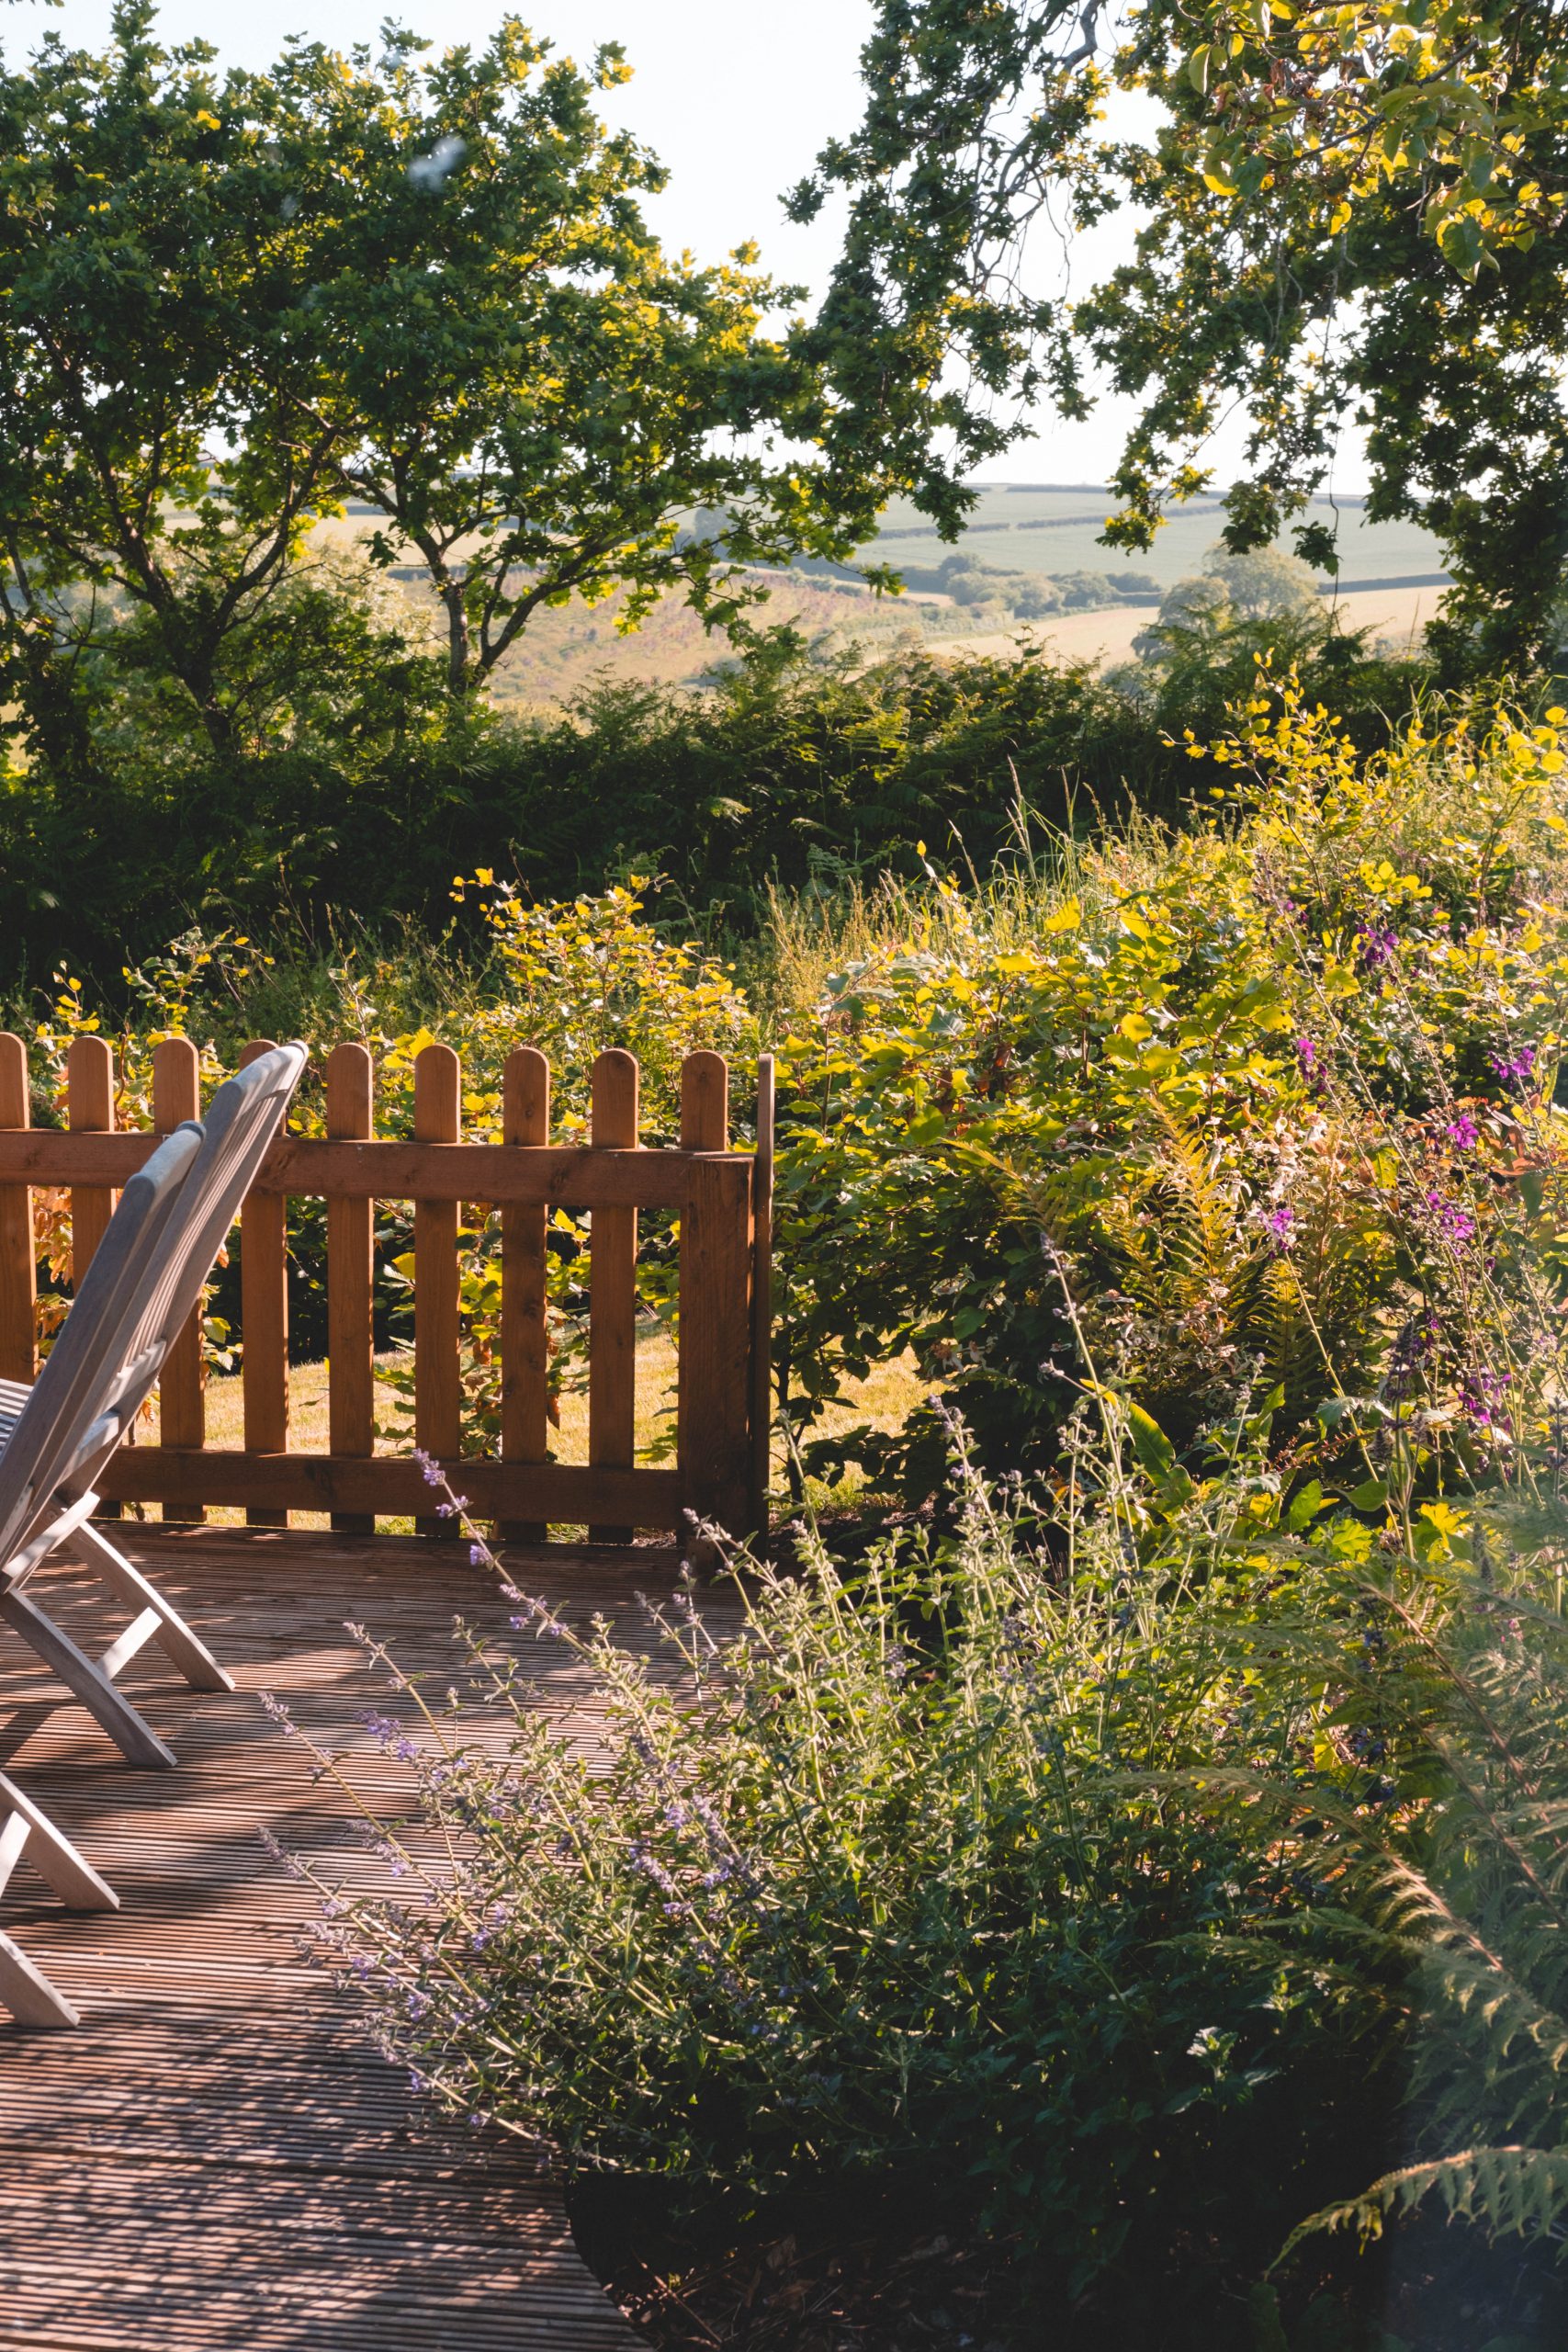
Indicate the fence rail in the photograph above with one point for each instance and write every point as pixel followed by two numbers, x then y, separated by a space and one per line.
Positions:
pixel 722 1198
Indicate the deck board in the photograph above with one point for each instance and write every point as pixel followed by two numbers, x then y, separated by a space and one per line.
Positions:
pixel 218 2157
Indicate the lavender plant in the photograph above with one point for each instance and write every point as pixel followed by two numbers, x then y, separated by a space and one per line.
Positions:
pixel 944 1870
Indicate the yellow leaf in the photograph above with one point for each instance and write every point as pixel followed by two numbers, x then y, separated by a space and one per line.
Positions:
pixel 1067 917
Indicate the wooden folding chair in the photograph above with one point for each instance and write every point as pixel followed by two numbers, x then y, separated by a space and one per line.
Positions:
pixel 145 1281
pixel 27 1835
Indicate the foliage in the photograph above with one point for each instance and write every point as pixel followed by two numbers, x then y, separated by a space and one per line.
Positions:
pixel 885 1890
pixel 1273 1092
pixel 1339 211
pixel 785 772
pixel 1466 1899
pixel 1262 587
pixel 425 288
pixel 1127 1884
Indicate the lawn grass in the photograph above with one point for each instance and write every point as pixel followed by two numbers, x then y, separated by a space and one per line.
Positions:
pixel 884 1399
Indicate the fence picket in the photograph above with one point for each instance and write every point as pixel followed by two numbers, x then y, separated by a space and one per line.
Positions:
pixel 263 1309
pixel 18 1257
pixel 704 1126
pixel 720 1196
pixel 525 1333
pixel 351 1269
pixel 612 1305
pixel 762 1298
pixel 89 1099
pixel 437 1392
pixel 176 1096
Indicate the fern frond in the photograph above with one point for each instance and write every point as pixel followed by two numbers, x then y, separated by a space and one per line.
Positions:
pixel 1505 2192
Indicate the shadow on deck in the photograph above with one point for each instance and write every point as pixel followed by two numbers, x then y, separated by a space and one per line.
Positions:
pixel 218 2157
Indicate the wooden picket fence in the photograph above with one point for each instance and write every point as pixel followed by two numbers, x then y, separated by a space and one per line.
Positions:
pixel 722 1198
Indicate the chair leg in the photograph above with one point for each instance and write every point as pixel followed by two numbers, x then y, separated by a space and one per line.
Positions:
pixel 24 1990
pixel 52 1854
pixel 27 1992
pixel 135 1740
pixel 174 1637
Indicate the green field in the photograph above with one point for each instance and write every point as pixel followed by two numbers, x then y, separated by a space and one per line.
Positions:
pixel 1054 528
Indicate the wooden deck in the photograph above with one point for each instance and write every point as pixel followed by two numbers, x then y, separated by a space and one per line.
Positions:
pixel 219 2158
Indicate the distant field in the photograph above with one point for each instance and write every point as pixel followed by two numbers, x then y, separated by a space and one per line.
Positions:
pixel 1053 529
pixel 1046 529
pixel 1395 616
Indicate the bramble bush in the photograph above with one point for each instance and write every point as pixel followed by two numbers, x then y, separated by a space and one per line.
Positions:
pixel 1276 1091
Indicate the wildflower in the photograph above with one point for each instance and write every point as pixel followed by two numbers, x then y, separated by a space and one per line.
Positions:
pixel 1463 1132
pixel 1279 1225
pixel 1378 944
pixel 1515 1069
pixel 1306 1054
pixel 429 1468
pixel 1479 1393
pixel 1454 1221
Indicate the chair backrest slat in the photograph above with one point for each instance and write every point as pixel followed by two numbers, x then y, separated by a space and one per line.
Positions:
pixel 75 1387
pixel 242 1120
pixel 145 1279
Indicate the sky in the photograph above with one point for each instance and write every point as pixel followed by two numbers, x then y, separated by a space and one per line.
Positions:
pixel 734 95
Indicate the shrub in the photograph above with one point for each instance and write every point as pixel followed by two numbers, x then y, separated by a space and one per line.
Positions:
pixel 357 812
pixel 1274 1092
pixel 883 1894
pixel 1124 1890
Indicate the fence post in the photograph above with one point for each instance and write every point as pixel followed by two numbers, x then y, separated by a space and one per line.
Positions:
pixel 18 1257
pixel 715 1343
pixel 351 1271
pixel 176 1096
pixel 437 1380
pixel 611 1304
pixel 525 1330
pixel 264 1315
pixel 763 1298
pixel 704 1126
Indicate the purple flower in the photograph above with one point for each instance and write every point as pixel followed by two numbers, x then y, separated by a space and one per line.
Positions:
pixel 1515 1069
pixel 1479 1396
pixel 1306 1054
pixel 1462 1131
pixel 1279 1225
pixel 1378 944
pixel 1454 1221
